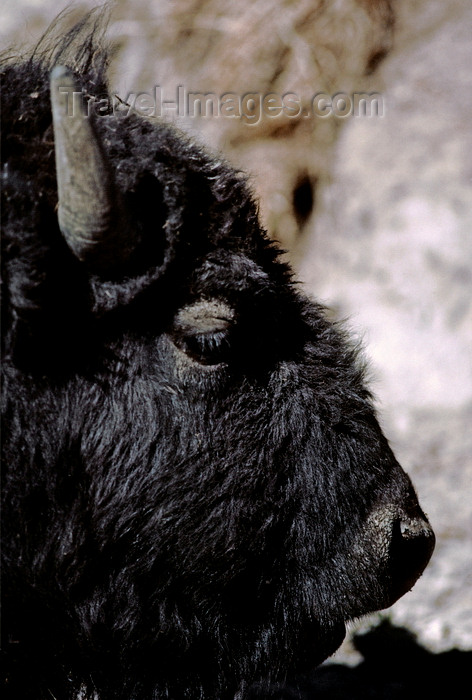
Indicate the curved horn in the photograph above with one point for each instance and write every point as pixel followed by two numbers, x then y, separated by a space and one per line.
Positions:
pixel 91 216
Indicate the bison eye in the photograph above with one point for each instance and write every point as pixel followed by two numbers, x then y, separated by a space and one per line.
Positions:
pixel 207 348
pixel 203 331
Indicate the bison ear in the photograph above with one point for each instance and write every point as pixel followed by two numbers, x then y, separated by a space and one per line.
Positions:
pixel 91 213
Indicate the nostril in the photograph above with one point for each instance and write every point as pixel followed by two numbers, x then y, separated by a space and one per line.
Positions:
pixel 413 528
pixel 412 545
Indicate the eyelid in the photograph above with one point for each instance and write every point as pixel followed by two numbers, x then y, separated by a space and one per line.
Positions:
pixel 202 331
pixel 205 316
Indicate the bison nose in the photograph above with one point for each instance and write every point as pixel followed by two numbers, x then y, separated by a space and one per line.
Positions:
pixel 412 545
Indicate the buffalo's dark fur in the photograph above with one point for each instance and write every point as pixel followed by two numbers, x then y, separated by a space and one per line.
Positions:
pixel 184 512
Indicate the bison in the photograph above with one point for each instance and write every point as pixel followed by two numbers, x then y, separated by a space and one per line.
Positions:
pixel 197 494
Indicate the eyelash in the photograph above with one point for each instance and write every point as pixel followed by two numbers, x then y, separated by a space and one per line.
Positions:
pixel 206 348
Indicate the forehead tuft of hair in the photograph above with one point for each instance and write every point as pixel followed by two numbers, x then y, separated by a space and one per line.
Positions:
pixel 81 45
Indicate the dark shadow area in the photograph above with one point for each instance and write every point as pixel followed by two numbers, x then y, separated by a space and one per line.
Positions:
pixel 395 667
pixel 304 199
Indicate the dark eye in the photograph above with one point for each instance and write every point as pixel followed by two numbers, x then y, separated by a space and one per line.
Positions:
pixel 203 331
pixel 206 348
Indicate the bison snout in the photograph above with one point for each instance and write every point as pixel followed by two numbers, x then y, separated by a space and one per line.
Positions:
pixel 412 545
pixel 398 543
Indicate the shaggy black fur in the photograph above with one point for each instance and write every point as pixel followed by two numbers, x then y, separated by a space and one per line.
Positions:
pixel 189 451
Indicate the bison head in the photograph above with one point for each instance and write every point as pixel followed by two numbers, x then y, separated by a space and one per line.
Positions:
pixel 197 493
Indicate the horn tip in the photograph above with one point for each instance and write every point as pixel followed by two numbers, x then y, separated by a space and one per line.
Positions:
pixel 60 72
pixel 61 76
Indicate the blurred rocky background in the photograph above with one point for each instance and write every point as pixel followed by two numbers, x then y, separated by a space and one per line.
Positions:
pixel 376 215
